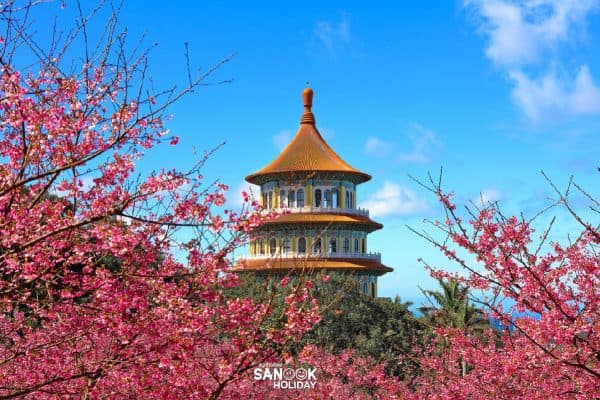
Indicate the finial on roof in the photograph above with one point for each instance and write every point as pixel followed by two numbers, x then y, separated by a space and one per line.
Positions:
pixel 307 116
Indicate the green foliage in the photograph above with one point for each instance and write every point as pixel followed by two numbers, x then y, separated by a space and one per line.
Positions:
pixel 380 328
pixel 451 308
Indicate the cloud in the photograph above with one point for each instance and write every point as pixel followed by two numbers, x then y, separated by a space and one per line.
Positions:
pixel 334 36
pixel 376 147
pixel 521 31
pixel 423 140
pixel 234 196
pixel 486 197
pixel 393 199
pixel 529 34
pixel 281 139
pixel 554 95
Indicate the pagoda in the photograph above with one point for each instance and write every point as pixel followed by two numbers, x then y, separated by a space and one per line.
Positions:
pixel 320 227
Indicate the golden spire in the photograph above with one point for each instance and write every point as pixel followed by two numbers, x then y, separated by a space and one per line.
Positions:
pixel 307 115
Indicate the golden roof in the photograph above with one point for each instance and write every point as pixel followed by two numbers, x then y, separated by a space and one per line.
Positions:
pixel 278 265
pixel 307 152
pixel 323 218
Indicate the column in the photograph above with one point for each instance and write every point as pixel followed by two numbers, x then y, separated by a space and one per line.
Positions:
pixel 276 195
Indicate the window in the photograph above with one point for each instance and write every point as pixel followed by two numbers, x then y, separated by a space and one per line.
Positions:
pixel 300 198
pixel 335 198
pixel 346 245
pixel 264 200
pixel 269 200
pixel 261 244
pixel 318 198
pixel 351 200
pixel 327 202
pixel 287 245
pixel 273 246
pixel 301 245
pixel 347 199
pixel 356 245
pixel 362 246
pixel 332 245
pixel 291 198
pixel 317 246
pixel 282 199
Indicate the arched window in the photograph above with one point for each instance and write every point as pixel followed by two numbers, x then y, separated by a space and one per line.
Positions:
pixel 356 249
pixel 273 246
pixel 261 244
pixel 282 199
pixel 317 197
pixel 362 246
pixel 346 245
pixel 327 198
pixel 351 200
pixel 347 199
pixel 317 246
pixel 335 198
pixel 300 198
pixel 301 245
pixel 291 198
pixel 332 245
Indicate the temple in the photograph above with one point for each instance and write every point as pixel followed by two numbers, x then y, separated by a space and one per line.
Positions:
pixel 321 228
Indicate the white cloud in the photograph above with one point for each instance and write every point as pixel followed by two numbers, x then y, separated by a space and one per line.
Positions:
pixel 529 33
pixel 486 197
pixel 334 35
pixel 393 199
pixel 234 196
pixel 423 140
pixel 521 31
pixel 376 147
pixel 552 95
pixel 281 139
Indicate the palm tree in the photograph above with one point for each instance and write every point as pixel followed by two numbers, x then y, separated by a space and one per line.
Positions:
pixel 450 307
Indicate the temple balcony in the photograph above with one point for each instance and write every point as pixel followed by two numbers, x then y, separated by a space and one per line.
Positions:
pixel 318 255
pixel 321 210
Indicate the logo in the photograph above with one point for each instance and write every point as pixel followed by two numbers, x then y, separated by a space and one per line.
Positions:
pixel 283 377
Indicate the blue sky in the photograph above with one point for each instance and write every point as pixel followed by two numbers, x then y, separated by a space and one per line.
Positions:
pixel 494 91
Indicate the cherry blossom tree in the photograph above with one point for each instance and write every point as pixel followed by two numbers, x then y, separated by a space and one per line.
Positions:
pixel 544 294
pixel 111 281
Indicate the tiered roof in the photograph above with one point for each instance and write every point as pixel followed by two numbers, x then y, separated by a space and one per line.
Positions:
pixel 324 219
pixel 278 264
pixel 307 153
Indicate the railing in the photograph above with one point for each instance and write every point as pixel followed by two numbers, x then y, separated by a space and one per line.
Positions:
pixel 323 210
pixel 290 254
